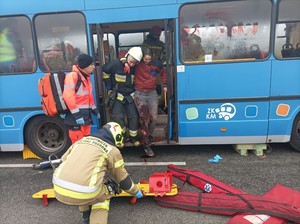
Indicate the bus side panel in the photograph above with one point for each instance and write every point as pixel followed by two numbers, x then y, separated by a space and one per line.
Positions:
pixel 32 6
pixel 283 112
pixel 238 111
pixel 92 4
pixel 223 123
pixel 12 124
pixel 132 14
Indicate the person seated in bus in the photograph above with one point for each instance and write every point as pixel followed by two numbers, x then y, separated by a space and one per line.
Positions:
pixel 59 56
pixel 191 45
pixel 118 75
pixel 256 52
pixel 81 102
pixel 146 98
pixel 10 47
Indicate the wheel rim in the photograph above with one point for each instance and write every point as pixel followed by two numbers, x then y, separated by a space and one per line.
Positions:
pixel 50 136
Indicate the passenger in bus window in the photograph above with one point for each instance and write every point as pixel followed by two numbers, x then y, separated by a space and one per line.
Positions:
pixel 118 75
pixel 10 46
pixel 146 98
pixel 80 101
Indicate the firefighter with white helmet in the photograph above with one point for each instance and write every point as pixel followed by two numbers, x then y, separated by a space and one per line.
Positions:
pixel 81 179
pixel 118 75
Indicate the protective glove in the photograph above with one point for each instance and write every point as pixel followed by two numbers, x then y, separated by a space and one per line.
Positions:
pixel 126 68
pixel 153 73
pixel 80 121
pixel 139 194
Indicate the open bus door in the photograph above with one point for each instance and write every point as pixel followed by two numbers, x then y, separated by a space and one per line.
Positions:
pixel 170 105
pixel 98 54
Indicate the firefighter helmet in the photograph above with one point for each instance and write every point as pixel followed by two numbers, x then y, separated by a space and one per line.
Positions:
pixel 136 53
pixel 116 132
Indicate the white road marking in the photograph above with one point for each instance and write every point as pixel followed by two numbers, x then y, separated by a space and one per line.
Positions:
pixel 154 163
pixel 126 164
pixel 15 165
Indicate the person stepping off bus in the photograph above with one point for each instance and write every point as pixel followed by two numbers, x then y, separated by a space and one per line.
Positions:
pixel 146 97
pixel 119 78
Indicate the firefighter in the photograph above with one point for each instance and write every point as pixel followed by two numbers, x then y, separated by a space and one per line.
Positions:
pixel 118 75
pixel 156 46
pixel 81 177
pixel 81 102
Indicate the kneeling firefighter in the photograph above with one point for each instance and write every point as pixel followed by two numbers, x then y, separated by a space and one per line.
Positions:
pixel 81 178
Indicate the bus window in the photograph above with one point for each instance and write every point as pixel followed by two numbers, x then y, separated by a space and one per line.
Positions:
pixel 225 31
pixel 109 45
pixel 16 45
pixel 128 40
pixel 61 38
pixel 287 42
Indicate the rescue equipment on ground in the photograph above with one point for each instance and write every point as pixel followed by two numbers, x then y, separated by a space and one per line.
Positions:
pixel 51 88
pixel 218 198
pixel 158 185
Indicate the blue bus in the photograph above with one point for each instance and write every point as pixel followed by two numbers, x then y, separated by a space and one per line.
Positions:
pixel 233 67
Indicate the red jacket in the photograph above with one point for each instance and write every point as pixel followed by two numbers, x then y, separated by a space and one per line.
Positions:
pixel 80 103
pixel 144 80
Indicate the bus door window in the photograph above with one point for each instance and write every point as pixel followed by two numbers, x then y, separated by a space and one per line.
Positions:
pixel 287 42
pixel 60 38
pixel 227 31
pixel 16 45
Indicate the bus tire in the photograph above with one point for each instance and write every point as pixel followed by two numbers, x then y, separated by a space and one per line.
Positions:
pixel 295 137
pixel 46 135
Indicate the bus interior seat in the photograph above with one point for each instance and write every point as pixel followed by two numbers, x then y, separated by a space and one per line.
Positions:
pixel 287 51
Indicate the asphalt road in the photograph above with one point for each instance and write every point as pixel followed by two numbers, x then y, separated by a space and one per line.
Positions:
pixel 252 174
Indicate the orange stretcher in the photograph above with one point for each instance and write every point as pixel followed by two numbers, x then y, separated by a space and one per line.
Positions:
pixel 159 185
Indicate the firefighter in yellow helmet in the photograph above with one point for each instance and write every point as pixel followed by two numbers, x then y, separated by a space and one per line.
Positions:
pixel 118 75
pixel 81 179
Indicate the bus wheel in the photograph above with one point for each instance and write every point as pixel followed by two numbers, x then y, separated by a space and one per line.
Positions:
pixel 295 138
pixel 47 135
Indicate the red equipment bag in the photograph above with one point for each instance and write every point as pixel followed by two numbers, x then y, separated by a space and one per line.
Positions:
pixel 256 219
pixel 202 181
pixel 51 88
pixel 226 200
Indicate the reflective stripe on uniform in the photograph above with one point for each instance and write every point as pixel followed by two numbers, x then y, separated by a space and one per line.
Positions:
pixel 96 171
pixel 73 194
pixel 74 187
pixel 120 97
pixel 120 78
pixel 105 75
pixel 133 133
pixel 119 163
pixel 101 205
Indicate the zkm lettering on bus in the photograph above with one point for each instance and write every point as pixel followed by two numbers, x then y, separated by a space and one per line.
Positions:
pixel 226 111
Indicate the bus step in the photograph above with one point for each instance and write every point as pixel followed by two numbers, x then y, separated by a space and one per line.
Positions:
pixel 258 149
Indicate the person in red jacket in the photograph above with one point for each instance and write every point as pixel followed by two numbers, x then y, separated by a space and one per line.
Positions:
pixel 81 102
pixel 146 98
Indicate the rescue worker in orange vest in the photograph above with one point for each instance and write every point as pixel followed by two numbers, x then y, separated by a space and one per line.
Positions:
pixel 81 102
pixel 119 78
pixel 80 178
